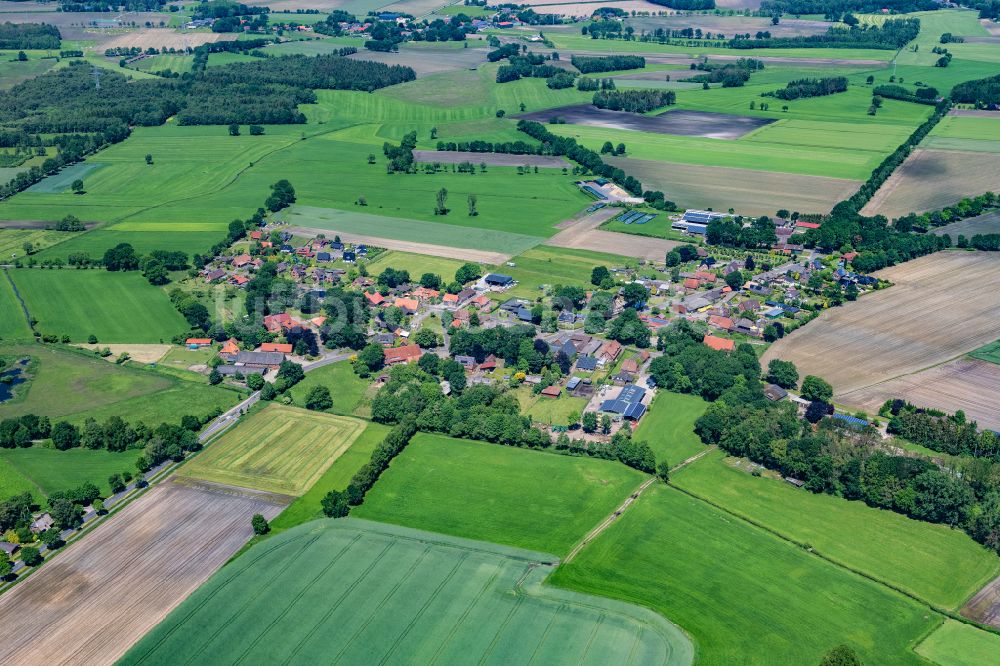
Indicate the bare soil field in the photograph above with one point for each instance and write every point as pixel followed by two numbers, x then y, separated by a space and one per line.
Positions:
pixel 752 192
pixel 932 179
pixel 93 601
pixel 160 37
pixel 967 384
pixel 581 233
pixel 491 159
pixel 974 113
pixel 150 353
pixel 428 59
pixel 942 306
pixel 730 25
pixel 101 26
pixel 465 254
pixel 681 123
pixel 985 605
pixel 991 27
pixel 987 223
pixel 588 8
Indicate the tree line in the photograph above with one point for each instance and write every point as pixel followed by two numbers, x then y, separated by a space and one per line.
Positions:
pixel 834 10
pixel 29 36
pixel 800 88
pixel 952 434
pixel 686 5
pixel 634 101
pixel 927 95
pixel 981 92
pixel 892 34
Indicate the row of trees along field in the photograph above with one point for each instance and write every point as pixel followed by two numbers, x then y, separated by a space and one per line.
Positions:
pixel 892 34
pixel 800 88
pixel 29 36
pixel 828 457
pixel 834 10
pixel 981 92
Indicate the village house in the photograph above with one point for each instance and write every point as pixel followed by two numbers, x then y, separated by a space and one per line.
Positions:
pixel 259 360
pixel 404 354
pixel 277 323
pixel 609 351
pixel 719 344
pixel 198 343
pixel 282 347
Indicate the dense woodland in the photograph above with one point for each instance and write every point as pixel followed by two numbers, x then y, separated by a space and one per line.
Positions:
pixel 730 74
pixel 590 65
pixel 800 88
pixel 927 95
pixel 29 36
pixel 981 92
pixel 634 101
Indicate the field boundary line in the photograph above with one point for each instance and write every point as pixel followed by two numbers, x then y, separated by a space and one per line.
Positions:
pixel 837 563
pixel 607 522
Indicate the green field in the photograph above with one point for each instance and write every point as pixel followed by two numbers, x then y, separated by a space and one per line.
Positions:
pixel 50 470
pixel 12 241
pixel 346 389
pixel 959 644
pixel 415 264
pixel 159 63
pixel 743 595
pixel 936 563
pixel 990 352
pixel 363 593
pixel 116 307
pixel 336 477
pixel 61 182
pixel 668 426
pixel 13 325
pixel 74 386
pixel 496 493
pixel 555 265
pixel 14 482
pixel 278 449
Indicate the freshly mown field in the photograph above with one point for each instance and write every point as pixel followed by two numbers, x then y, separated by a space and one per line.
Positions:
pixel 13 325
pixel 550 411
pixel 116 307
pixel 743 595
pixel 278 449
pixel 496 493
pixel 13 482
pixel 74 386
pixel 50 470
pixel 936 563
pixel 359 592
pixel 336 477
pixel 958 644
pixel 668 426
pixel 931 315
pixel 346 389
pixel 96 599
pixel 415 264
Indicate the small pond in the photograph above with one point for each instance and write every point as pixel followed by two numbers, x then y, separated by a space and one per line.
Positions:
pixel 11 378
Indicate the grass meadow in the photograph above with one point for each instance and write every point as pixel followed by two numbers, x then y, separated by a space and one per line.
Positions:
pixel 743 595
pixel 415 264
pixel 346 388
pixel 668 426
pixel 13 325
pixel 958 644
pixel 116 307
pixel 51 470
pixel 550 411
pixel 990 352
pixel 495 493
pixel 74 385
pixel 555 265
pixel 362 593
pixel 14 482
pixel 336 477
pixel 278 449
pixel 936 563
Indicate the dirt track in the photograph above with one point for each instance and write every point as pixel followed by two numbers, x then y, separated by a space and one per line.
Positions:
pixel 582 233
pixel 93 601
pixel 465 254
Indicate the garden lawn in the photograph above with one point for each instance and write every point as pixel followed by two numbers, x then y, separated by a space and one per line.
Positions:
pixel 278 449
pixel 490 492
pixel 941 565
pixel 52 470
pixel 743 595
pixel 668 426
pixel 550 411
pixel 336 477
pixel 116 307
pixel 346 389
pixel 958 644
pixel 13 325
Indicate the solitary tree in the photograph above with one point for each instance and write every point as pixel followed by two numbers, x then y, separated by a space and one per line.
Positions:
pixel 234 129
pixel 149 158
pixel 77 186
pixel 782 373
pixel 472 206
pixel 319 399
pixel 663 470
pixel 590 422
pixel 335 504
pixel 441 200
pixel 31 557
pixel 841 655
pixel 815 388
pixel 259 524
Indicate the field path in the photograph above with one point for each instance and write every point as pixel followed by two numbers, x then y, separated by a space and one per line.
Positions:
pixel 94 600
pixel 460 253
